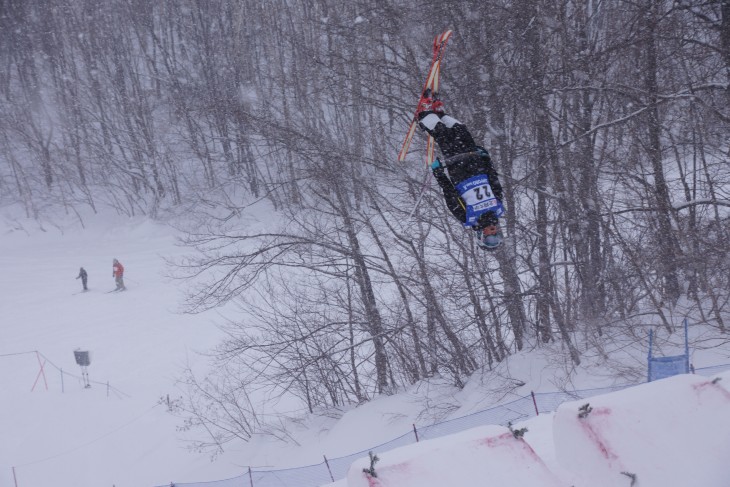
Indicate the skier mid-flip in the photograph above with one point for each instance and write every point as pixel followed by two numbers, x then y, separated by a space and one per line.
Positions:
pixel 465 174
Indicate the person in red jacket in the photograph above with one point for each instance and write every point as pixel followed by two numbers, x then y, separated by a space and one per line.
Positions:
pixel 118 275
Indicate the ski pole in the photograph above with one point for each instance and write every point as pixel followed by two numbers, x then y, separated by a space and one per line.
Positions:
pixel 420 196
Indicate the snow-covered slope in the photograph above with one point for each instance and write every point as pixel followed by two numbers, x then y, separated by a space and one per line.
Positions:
pixel 672 432
pixel 69 435
pixel 120 434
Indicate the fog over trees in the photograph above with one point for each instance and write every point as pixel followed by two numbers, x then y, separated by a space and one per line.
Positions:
pixel 607 120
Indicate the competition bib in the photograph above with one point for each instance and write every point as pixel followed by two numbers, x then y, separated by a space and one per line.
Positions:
pixel 478 197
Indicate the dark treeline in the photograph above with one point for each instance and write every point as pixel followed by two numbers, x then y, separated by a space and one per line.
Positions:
pixel 608 121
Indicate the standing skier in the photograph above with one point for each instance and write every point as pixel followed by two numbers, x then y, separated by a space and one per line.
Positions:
pixel 83 276
pixel 118 275
pixel 466 175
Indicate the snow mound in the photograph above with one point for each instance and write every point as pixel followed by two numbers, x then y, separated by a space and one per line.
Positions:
pixel 674 431
pixel 487 452
pixel 670 432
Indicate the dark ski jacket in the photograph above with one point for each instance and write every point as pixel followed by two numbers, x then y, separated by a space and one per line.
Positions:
pixel 82 275
pixel 460 168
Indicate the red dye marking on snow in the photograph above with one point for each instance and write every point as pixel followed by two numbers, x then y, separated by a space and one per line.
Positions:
pixel 372 481
pixel 602 447
pixel 704 386
pixel 530 452
pixel 508 440
pixel 604 411
pixel 385 472
pixel 495 440
pixel 404 467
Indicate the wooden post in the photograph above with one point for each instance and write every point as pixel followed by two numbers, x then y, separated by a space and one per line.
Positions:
pixel 415 432
pixel 328 468
pixel 534 401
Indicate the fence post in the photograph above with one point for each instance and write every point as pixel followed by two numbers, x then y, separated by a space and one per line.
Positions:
pixel 534 401
pixel 250 476
pixel 15 478
pixel 648 370
pixel 415 432
pixel 328 467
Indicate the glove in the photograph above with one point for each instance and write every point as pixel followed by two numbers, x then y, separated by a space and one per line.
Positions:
pixel 435 165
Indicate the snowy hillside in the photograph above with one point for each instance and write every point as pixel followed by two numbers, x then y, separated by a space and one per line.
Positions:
pixel 138 343
pixel 118 432
pixel 672 432
pixel 303 282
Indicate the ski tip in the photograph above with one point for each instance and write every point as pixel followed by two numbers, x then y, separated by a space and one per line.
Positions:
pixel 444 36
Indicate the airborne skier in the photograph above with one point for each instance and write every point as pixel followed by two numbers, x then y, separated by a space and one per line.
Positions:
pixel 466 175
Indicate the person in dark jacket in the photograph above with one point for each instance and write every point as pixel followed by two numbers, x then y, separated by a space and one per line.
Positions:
pixel 83 276
pixel 466 175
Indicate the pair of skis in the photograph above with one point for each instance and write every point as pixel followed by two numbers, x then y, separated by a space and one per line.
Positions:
pixel 430 89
